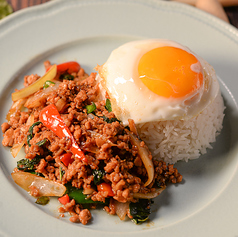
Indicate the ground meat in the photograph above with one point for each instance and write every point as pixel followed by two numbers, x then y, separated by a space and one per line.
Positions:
pixel 77 214
pixel 103 139
pixel 28 80
pixel 4 127
pixel 84 216
pixel 8 137
pixel 41 166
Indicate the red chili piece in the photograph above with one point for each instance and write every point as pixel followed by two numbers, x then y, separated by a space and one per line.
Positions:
pixel 70 67
pixel 66 159
pixel 64 200
pixel 105 187
pixel 51 118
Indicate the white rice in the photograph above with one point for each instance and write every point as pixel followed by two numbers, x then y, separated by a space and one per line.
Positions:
pixel 175 140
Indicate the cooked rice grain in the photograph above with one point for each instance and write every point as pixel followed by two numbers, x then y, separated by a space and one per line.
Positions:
pixel 176 140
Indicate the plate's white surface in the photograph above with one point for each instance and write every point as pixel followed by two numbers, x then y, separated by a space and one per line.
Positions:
pixel 205 204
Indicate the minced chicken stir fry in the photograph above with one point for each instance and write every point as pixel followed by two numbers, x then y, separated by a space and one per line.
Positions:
pixel 77 150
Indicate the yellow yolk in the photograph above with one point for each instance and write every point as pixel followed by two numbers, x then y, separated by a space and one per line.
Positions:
pixel 170 72
pixel 157 80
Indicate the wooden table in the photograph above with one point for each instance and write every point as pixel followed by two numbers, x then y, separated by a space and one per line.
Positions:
pixel 232 12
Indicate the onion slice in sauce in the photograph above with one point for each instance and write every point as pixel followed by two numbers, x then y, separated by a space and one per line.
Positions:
pixel 144 155
pixel 102 137
pixel 45 186
pixel 17 146
pixel 121 209
pixel 37 85
pixel 132 127
pixel 17 105
pixel 38 98
pixel 151 195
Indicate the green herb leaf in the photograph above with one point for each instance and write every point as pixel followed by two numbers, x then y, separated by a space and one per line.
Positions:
pixel 43 200
pixel 91 108
pixel 30 136
pixel 108 105
pixel 47 84
pixel 5 9
pixel 111 120
pixel 61 172
pixel 66 77
pixel 98 176
pixel 27 164
pixel 42 142
pixel 77 195
pixel 140 210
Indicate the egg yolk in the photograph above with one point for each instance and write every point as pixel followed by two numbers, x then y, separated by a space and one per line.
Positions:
pixel 170 72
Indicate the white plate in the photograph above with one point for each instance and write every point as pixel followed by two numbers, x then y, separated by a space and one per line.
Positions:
pixel 205 204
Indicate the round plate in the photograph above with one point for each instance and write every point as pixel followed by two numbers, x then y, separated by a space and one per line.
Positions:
pixel 205 203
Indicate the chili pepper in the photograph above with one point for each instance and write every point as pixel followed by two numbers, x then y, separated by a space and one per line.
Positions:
pixel 105 187
pixel 64 200
pixel 69 67
pixel 47 84
pixel 51 118
pixel 66 159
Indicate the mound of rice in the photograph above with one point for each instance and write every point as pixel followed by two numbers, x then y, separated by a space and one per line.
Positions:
pixel 176 140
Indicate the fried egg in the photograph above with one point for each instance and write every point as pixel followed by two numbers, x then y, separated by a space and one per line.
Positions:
pixel 155 80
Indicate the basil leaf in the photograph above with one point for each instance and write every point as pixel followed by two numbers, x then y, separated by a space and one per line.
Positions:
pixel 140 210
pixel 108 105
pixel 91 108
pixel 42 142
pixel 43 200
pixel 77 195
pixel 30 136
pixel 111 120
pixel 66 77
pixel 98 176
pixel 27 164
pixel 61 172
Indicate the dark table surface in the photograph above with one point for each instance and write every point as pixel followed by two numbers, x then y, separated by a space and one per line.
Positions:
pixel 232 12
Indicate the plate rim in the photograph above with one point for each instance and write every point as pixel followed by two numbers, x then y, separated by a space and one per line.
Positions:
pixel 216 23
pixel 200 15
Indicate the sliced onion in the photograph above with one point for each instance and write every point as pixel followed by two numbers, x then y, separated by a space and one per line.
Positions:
pixel 132 127
pixel 144 155
pixel 60 104
pixel 98 135
pixel 121 209
pixel 88 191
pixel 37 85
pixel 46 187
pixel 151 195
pixel 15 149
pixel 17 146
pixel 17 105
pixel 36 99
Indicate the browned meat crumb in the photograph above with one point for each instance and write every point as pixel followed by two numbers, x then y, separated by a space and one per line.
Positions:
pixel 101 137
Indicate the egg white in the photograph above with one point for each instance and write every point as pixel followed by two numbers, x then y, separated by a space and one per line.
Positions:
pixel 131 99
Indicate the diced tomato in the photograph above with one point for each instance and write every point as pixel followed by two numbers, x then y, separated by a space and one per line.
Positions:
pixel 64 199
pixel 105 187
pixel 66 159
